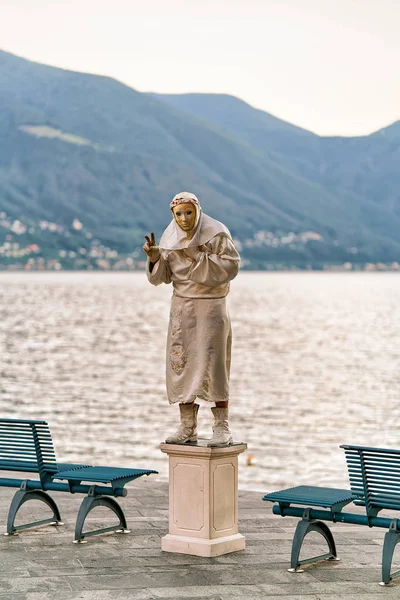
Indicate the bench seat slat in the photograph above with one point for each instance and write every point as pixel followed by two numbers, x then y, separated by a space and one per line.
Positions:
pixel 360 490
pixel 381 455
pixel 357 485
pixel 384 481
pixel 23 440
pixel 375 477
pixel 381 471
pixel 24 431
pixel 8 444
pixel 101 474
pixel 376 499
pixel 13 440
pixel 386 504
pixel 382 467
pixel 16 455
pixel 28 449
pixel 33 467
pixel 25 452
pixel 16 425
pixel 376 480
pixel 388 487
pixel 18 465
pixel 376 463
pixel 27 421
pixel 373 465
pixel 386 459
pixel 70 466
pixel 20 433
pixel 367 449
pixel 381 495
pixel 311 496
pixel 26 435
pixel 380 488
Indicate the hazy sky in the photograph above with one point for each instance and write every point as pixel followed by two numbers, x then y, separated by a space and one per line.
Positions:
pixel 331 66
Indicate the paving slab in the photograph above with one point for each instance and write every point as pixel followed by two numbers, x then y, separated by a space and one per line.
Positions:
pixel 44 564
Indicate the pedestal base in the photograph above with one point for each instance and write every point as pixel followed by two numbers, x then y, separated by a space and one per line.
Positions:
pixel 200 547
pixel 203 507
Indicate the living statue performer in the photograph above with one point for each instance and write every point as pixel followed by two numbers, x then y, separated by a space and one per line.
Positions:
pixel 197 255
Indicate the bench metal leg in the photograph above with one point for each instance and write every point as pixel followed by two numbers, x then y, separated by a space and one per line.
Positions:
pixel 88 504
pixel 23 496
pixel 392 538
pixel 303 528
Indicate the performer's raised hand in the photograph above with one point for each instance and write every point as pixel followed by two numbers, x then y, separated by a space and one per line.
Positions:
pixel 151 248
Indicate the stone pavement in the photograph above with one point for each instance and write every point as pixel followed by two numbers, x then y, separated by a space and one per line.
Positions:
pixel 44 564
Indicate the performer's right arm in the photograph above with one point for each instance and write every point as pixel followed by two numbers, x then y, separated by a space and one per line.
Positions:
pixel 159 271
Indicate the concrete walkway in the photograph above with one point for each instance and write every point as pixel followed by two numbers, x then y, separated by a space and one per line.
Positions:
pixel 44 564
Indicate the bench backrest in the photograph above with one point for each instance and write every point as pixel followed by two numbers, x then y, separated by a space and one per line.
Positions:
pixel 374 475
pixel 27 446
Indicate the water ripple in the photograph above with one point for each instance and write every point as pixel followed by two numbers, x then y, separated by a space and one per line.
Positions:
pixel 315 364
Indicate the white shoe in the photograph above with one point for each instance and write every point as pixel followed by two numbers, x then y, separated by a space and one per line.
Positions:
pixel 187 430
pixel 222 435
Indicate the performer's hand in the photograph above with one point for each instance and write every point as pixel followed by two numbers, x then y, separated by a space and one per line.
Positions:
pixel 151 248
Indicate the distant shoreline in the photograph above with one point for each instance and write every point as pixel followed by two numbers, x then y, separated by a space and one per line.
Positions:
pixel 243 271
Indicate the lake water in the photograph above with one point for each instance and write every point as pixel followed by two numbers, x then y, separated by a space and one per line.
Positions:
pixel 315 365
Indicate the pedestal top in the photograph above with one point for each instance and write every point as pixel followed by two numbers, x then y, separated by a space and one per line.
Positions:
pixel 200 449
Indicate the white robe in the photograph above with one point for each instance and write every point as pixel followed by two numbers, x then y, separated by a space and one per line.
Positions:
pixel 199 334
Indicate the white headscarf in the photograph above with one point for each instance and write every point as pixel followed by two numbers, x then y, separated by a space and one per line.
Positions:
pixel 174 238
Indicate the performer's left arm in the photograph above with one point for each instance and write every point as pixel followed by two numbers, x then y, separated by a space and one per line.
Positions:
pixel 218 263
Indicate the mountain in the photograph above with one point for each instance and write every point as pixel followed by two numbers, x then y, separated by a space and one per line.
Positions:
pixel 279 140
pixel 368 166
pixel 82 148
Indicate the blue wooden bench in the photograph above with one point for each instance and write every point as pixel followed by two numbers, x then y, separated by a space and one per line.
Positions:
pixel 27 446
pixel 374 475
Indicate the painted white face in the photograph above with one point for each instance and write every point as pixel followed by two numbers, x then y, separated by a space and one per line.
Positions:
pixel 185 216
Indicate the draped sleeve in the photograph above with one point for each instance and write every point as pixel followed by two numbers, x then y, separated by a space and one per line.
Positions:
pixel 214 263
pixel 158 272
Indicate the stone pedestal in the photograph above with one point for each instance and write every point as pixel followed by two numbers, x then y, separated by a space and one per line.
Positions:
pixel 203 500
